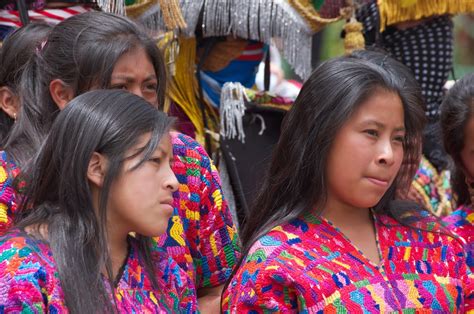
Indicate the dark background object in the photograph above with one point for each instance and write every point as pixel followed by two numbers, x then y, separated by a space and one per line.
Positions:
pixel 247 162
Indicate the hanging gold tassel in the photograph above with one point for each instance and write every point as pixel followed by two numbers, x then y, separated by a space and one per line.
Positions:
pixel 138 8
pixel 183 85
pixel 172 15
pixel 354 39
pixel 396 11
pixel 170 9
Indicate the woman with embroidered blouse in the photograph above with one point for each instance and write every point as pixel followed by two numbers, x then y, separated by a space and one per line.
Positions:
pixel 98 191
pixel 457 124
pixel 327 234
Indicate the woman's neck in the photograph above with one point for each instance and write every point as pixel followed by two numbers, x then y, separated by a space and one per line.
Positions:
pixel 116 236
pixel 345 216
pixel 357 225
pixel 118 248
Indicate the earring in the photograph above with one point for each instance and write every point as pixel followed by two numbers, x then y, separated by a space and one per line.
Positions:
pixel 14 116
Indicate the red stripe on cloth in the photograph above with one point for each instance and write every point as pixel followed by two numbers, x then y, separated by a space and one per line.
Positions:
pixel 254 46
pixel 10 22
pixel 50 15
pixel 15 13
pixel 256 57
pixel 74 12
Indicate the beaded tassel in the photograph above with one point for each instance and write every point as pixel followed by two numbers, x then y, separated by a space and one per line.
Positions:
pixel 232 111
pixel 172 14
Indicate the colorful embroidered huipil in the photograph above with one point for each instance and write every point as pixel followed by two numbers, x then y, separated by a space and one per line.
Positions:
pixel 461 223
pixel 8 203
pixel 201 237
pixel 432 188
pixel 309 266
pixel 29 281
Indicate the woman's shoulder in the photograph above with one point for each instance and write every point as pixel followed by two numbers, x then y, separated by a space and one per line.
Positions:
pixel 420 230
pixel 186 146
pixel 271 268
pixel 282 240
pixel 461 223
pixel 3 156
pixel 463 216
pixel 18 248
pixel 8 168
pixel 28 275
pixel 6 161
pixel 191 164
pixel 170 276
pixel 8 172
pixel 166 268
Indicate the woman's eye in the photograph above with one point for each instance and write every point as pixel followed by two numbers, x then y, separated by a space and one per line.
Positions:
pixel 373 133
pixel 124 87
pixel 156 160
pixel 400 139
pixel 151 87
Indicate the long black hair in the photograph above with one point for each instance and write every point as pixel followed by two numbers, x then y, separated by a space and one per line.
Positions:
pixel 82 52
pixel 296 180
pixel 456 110
pixel 16 50
pixel 58 195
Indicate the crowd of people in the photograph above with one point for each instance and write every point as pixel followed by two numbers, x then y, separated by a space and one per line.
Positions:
pixel 106 207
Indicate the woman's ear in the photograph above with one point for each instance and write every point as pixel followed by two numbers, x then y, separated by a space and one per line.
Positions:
pixel 97 169
pixel 9 102
pixel 61 93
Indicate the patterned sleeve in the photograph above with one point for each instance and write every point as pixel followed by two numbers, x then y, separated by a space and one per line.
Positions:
pixel 468 285
pixel 463 273
pixel 26 284
pixel 259 287
pixel 469 297
pixel 461 223
pixel 185 288
pixel 209 229
pixel 8 205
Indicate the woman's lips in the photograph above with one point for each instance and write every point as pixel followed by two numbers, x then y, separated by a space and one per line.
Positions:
pixel 168 205
pixel 378 181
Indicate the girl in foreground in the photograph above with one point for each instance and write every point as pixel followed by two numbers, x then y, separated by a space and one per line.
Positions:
pixel 71 249
pixel 457 123
pixel 327 234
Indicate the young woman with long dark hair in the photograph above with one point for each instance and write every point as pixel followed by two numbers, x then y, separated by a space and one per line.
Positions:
pixel 102 173
pixel 429 188
pixel 457 124
pixel 17 48
pixel 327 233
pixel 14 54
pixel 98 50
